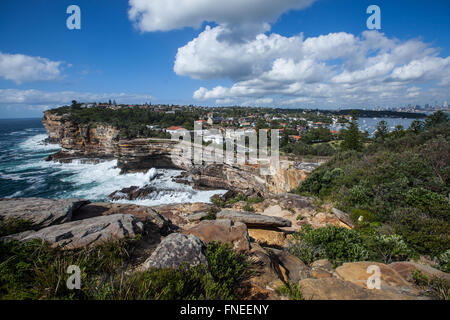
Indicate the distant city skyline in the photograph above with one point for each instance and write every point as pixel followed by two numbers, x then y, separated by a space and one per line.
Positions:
pixel 286 54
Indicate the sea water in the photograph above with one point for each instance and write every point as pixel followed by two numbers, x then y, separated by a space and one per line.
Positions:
pixel 25 173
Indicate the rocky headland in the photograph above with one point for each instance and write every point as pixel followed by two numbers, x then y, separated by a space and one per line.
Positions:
pixel 103 142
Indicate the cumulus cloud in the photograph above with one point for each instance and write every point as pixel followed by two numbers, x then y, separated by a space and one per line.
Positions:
pixel 328 70
pixel 337 69
pixel 165 15
pixel 21 68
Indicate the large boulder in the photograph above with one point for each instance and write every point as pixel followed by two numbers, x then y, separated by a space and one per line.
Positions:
pixel 295 269
pixel 268 275
pixel 406 269
pixel 84 233
pixel 268 237
pixel 253 220
pixel 40 212
pixel 338 289
pixel 223 231
pixel 391 280
pixel 175 250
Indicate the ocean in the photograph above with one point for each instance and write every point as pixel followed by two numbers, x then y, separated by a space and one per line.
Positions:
pixel 25 173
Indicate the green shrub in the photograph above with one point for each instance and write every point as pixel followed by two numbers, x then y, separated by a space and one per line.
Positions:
pixel 336 244
pixel 444 261
pixel 248 208
pixel 291 290
pixel 253 200
pixel 388 248
pixel 429 202
pixel 33 270
pixel 424 234
pixel 366 215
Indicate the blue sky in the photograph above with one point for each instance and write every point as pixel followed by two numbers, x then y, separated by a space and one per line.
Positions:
pixel 301 53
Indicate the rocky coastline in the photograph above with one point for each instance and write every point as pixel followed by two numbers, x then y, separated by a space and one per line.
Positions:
pixel 103 142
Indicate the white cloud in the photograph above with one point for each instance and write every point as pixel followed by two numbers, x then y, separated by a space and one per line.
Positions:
pixel 252 15
pixel 329 70
pixel 21 68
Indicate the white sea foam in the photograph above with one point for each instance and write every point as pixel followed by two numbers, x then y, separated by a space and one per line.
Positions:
pixel 36 144
pixel 95 181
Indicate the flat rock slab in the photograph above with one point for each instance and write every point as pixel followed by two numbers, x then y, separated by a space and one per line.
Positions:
pixel 223 231
pixel 142 213
pixel 41 212
pixel 391 280
pixel 338 289
pixel 177 249
pixel 406 269
pixel 253 220
pixel 84 233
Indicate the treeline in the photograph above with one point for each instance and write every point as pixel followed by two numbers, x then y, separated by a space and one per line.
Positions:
pixel 132 122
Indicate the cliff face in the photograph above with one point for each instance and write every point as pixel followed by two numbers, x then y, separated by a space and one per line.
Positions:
pixel 102 142
pixel 80 140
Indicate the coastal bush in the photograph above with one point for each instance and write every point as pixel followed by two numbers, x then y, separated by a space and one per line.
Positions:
pixel 291 290
pixel 444 261
pixel 34 270
pixel 218 281
pixel 388 248
pixel 334 243
pixel 425 234
pixel 401 181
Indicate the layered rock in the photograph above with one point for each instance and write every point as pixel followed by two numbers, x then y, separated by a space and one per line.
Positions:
pixel 253 220
pixel 222 231
pixel 84 233
pixel 40 212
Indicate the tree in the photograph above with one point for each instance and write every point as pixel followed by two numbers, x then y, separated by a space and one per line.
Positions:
pixel 417 126
pixel 382 131
pixel 352 136
pixel 437 119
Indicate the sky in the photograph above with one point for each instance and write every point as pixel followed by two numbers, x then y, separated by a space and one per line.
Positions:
pixel 285 53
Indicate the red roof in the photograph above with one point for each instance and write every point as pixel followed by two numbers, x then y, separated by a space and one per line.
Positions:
pixel 175 128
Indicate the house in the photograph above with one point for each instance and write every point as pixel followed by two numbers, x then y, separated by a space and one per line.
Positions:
pixel 214 120
pixel 174 129
pixel 294 138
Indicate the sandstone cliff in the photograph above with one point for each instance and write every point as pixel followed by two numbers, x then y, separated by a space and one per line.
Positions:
pixel 103 142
